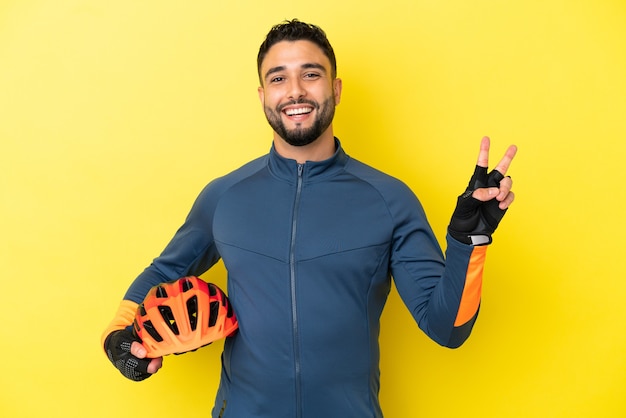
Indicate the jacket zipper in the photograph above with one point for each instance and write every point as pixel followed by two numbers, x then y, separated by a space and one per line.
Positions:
pixel 292 284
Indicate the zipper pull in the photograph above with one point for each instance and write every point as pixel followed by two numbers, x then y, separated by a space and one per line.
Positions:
pixel 300 169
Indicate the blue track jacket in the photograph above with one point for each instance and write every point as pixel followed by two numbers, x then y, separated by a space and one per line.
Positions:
pixel 310 250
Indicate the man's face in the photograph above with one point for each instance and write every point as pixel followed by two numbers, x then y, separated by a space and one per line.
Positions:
pixel 298 94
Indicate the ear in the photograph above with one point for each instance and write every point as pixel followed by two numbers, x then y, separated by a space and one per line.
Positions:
pixel 337 86
pixel 261 92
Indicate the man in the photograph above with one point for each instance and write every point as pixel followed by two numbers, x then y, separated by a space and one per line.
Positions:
pixel 311 238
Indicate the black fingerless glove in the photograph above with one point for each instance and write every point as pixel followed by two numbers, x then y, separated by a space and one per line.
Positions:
pixel 473 221
pixel 117 346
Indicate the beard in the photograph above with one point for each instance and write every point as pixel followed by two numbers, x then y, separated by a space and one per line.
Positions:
pixel 300 136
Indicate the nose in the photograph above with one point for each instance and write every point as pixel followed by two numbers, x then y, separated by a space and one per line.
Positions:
pixel 296 89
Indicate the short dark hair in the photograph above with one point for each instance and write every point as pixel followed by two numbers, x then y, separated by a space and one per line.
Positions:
pixel 295 30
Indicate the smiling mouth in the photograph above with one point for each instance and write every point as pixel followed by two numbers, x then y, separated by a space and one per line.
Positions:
pixel 296 111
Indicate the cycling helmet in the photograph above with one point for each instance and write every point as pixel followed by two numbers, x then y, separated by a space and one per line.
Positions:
pixel 183 315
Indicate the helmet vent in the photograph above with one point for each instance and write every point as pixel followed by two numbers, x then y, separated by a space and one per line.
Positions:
pixel 153 332
pixel 187 285
pixel 161 292
pixel 136 327
pixel 229 309
pixel 215 310
pixel 192 310
pixel 212 289
pixel 168 317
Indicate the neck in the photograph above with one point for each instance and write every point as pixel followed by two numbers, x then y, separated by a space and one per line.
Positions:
pixel 319 150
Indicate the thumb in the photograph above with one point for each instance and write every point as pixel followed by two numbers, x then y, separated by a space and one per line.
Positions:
pixel 486 193
pixel 138 350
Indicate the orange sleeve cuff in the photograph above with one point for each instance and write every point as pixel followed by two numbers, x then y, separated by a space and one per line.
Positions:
pixel 470 300
pixel 124 317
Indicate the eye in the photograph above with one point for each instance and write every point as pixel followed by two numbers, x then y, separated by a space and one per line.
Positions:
pixel 311 76
pixel 277 79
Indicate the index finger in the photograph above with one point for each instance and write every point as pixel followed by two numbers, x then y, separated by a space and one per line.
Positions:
pixel 483 155
pixel 505 162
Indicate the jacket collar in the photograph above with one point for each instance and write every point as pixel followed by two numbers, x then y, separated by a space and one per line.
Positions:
pixel 312 171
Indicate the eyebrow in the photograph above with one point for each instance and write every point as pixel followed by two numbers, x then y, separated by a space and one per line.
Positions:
pixel 305 66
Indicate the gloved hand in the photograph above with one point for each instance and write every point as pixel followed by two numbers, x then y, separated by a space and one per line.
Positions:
pixel 481 207
pixel 120 346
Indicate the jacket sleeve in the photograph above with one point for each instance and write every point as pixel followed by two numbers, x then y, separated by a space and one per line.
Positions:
pixel 442 293
pixel 191 251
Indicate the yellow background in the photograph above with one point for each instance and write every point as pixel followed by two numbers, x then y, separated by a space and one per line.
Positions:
pixel 114 114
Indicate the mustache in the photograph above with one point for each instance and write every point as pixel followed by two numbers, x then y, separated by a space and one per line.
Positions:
pixel 280 107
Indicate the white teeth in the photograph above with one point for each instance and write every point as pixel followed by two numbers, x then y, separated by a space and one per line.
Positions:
pixel 298 111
